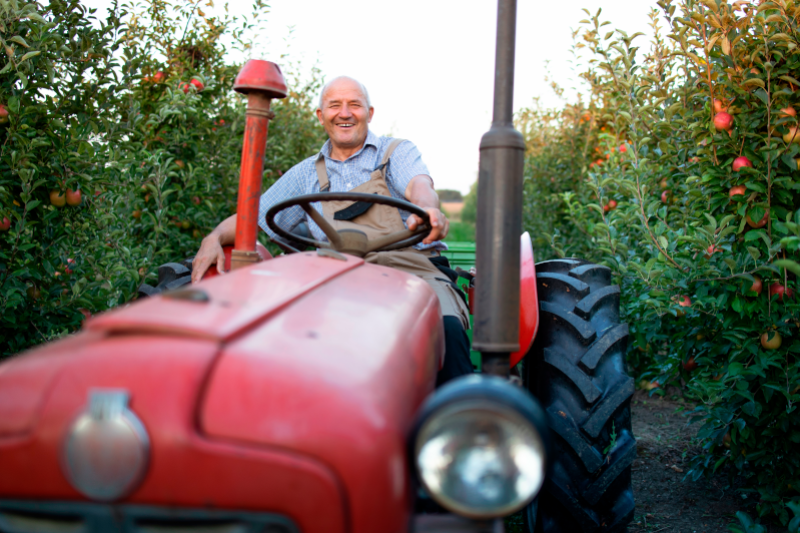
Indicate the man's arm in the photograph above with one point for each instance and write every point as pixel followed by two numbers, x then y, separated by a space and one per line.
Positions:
pixel 211 248
pixel 420 192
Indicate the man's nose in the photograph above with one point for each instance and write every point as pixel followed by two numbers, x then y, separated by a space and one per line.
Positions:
pixel 345 111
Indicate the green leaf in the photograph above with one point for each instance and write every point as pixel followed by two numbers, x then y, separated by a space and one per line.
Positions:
pixel 789 265
pixel 19 40
pixel 29 55
pixel 754 82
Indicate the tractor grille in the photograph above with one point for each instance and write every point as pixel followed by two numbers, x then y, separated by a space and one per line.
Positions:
pixel 74 517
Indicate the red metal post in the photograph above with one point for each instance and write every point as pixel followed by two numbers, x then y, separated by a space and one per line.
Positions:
pixel 261 81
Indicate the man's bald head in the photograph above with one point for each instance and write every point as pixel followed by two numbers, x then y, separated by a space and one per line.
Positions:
pixel 344 80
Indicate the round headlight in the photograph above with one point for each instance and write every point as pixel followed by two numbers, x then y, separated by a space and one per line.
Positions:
pixel 480 456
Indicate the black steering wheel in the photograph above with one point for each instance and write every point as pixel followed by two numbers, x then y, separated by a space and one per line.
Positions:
pixel 350 241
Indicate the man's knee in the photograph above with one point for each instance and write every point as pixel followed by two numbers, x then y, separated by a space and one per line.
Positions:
pixel 456 352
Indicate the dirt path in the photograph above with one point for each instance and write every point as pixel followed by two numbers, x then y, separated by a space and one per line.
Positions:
pixel 664 502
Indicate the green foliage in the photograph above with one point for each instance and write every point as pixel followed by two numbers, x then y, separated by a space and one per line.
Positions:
pixel 635 175
pixel 106 108
pixel 469 213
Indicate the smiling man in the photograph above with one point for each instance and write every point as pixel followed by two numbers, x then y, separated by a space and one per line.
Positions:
pixel 353 159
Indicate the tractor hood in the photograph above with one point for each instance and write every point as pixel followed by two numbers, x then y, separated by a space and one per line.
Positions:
pixel 316 363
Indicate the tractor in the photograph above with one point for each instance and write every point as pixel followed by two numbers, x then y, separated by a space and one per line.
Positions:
pixel 296 394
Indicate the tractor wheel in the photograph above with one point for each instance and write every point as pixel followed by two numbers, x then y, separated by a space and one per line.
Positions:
pixel 576 368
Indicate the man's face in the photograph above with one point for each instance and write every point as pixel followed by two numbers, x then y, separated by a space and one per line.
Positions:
pixel 345 115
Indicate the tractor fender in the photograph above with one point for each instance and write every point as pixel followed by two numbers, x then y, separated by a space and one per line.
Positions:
pixel 528 301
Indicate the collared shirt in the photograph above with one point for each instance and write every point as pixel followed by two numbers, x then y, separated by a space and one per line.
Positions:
pixel 406 162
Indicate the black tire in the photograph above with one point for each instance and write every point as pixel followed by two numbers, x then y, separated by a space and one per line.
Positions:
pixel 577 370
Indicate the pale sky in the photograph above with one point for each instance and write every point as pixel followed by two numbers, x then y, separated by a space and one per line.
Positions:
pixel 428 64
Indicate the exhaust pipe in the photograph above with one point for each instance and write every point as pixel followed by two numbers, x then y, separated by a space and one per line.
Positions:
pixel 261 81
pixel 502 150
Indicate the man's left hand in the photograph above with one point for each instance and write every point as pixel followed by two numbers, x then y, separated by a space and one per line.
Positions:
pixel 439 225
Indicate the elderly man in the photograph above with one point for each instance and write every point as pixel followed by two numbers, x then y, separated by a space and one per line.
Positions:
pixel 354 159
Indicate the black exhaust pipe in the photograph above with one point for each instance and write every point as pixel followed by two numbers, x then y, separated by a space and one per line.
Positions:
pixel 502 153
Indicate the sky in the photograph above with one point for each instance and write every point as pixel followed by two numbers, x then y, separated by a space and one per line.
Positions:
pixel 429 64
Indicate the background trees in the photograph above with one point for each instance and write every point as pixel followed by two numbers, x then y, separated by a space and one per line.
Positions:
pixel 686 185
pixel 120 150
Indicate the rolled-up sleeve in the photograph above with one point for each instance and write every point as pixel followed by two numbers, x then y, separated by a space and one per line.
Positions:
pixel 288 186
pixel 405 163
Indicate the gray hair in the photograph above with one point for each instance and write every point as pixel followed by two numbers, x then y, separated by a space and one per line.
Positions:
pixel 337 78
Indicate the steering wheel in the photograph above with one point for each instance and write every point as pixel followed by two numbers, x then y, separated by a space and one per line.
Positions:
pixel 350 241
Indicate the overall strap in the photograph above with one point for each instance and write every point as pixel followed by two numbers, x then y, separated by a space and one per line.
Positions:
pixel 388 153
pixel 322 173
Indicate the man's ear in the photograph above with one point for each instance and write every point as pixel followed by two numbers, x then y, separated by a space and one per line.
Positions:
pixel 371 112
pixel 319 116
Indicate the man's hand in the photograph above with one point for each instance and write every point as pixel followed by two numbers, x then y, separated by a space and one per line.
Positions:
pixel 420 191
pixel 439 225
pixel 211 249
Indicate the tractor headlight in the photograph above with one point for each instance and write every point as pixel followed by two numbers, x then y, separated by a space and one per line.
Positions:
pixel 480 447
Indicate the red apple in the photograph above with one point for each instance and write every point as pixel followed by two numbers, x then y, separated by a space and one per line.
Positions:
pixel 73 197
pixel 158 77
pixel 788 112
pixel 3 114
pixel 761 223
pixel 757 285
pixel 665 196
pixel 195 82
pixel 196 200
pixel 612 204
pixel 179 163
pixel 780 290
pixel 719 106
pixel 723 121
pixel 5 224
pixel 711 250
pixel 740 162
pixel 737 190
pixel 689 365
pixel 606 208
pixel 57 198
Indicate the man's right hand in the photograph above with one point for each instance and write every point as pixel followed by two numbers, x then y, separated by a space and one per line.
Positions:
pixel 210 253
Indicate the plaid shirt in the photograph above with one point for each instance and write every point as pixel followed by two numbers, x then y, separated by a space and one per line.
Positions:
pixel 406 163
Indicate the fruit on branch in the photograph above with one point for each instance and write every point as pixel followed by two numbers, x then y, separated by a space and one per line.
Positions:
pixel 723 121
pixel 196 200
pixel 719 106
pixel 711 250
pixel 780 290
pixel 689 365
pixel 757 285
pixel 57 198
pixel 737 190
pixel 5 224
pixel 792 136
pixel 740 162
pixel 158 77
pixel 761 223
pixel 666 197
pixel 3 114
pixel 179 163
pixel 73 197
pixel 194 82
pixel 772 342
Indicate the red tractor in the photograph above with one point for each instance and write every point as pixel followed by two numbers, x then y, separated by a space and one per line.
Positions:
pixel 296 393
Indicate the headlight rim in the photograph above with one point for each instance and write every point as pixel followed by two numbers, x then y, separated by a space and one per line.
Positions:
pixel 491 390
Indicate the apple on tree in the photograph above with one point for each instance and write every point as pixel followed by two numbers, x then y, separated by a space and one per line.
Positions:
pixel 761 223
pixel 73 197
pixel 5 224
pixel 57 198
pixel 723 121
pixel 756 286
pixel 771 340
pixel 3 114
pixel 737 190
pixel 741 162
pixel 780 290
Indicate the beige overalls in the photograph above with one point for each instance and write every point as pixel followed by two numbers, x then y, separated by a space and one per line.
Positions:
pixel 381 220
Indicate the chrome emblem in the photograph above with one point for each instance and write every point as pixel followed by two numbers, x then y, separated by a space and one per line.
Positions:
pixel 106 450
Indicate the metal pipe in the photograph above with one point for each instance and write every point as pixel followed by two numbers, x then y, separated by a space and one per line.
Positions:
pixel 261 81
pixel 502 152
pixel 250 178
